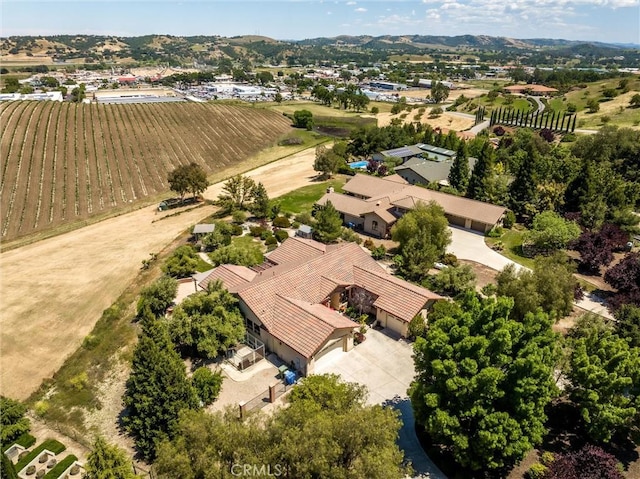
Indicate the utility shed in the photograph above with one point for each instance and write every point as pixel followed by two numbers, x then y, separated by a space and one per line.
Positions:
pixel 203 229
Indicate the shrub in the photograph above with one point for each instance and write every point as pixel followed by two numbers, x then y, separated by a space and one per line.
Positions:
pixel 369 244
pixel 568 137
pixel 450 259
pixel 256 231
pixel 41 408
pixel 509 219
pixel 60 467
pixel 547 458
pixel 304 218
pixel 266 234
pixel 238 217
pixel 437 111
pixel 295 225
pixel 417 327
pixel 294 140
pixel 547 135
pixel 281 235
pixel 271 240
pixel 498 131
pixel 207 384
pixel 379 252
pixel 281 222
pixel 236 230
pixel 537 471
pixel 495 232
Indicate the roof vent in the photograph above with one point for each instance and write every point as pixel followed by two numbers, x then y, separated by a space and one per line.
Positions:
pixel 377 203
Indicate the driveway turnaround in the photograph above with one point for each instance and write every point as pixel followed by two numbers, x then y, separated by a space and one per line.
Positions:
pixel 466 244
pixel 385 366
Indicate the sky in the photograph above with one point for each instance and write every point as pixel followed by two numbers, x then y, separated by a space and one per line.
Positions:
pixel 611 21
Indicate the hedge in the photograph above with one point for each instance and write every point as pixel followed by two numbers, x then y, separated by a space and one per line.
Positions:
pixel 59 468
pixel 52 445
pixel 26 440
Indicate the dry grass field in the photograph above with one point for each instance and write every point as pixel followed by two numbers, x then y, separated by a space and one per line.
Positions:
pixel 54 291
pixel 63 163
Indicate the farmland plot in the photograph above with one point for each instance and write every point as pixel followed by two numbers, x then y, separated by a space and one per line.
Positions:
pixel 63 163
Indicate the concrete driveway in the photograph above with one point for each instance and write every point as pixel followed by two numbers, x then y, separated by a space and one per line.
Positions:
pixel 466 244
pixel 385 366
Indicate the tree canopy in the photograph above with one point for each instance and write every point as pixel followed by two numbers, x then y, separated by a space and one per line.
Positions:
pixel 328 226
pixel 236 193
pixel 13 422
pixel 459 173
pixel 550 232
pixel 326 431
pixel 483 381
pixel 327 161
pixel 158 296
pixel 157 388
pixel 107 461
pixel 605 380
pixel 625 277
pixel 423 236
pixel 590 462
pixel 207 323
pixel 182 262
pixel 303 119
pixel 188 178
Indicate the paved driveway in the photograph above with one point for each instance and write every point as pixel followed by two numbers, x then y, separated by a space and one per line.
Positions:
pixel 385 366
pixel 466 244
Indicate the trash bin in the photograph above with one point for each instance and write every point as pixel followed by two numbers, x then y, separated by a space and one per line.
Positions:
pixel 282 370
pixel 289 377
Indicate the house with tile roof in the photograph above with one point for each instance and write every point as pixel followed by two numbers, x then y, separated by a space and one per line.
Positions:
pixel 373 205
pixel 293 302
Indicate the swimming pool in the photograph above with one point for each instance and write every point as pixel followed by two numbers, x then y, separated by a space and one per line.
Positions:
pixel 358 165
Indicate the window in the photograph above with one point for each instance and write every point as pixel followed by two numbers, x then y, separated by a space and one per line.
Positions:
pixel 374 225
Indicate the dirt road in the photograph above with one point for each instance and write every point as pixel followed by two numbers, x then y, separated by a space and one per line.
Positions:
pixel 53 292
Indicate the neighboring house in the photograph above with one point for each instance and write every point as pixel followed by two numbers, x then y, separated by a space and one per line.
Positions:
pixel 418 171
pixel 419 150
pixel 292 302
pixel 374 204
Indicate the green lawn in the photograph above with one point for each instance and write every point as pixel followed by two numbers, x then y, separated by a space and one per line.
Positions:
pixel 512 247
pixel 302 199
pixel 519 103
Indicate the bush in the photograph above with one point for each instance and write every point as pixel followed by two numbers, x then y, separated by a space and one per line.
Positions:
pixel 351 236
pixel 417 327
pixel 568 137
pixel 379 253
pixel 236 230
pixel 509 219
pixel 281 222
pixel 547 135
pixel 266 234
pixel 256 231
pixel 369 244
pixel 295 225
pixel 547 458
pixel 271 240
pixel 498 131
pixel 450 259
pixel 52 445
pixel 207 384
pixel 304 218
pixel 537 471
pixel 291 141
pixel 281 235
pixel 239 217
pixel 495 232
pixel 62 466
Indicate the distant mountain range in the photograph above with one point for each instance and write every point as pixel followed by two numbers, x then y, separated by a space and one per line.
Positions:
pixel 179 50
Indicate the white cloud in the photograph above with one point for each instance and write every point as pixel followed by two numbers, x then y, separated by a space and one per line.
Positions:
pixel 360 10
pixel 351 3
pixel 328 13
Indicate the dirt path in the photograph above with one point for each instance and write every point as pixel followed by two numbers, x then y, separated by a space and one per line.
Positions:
pixel 53 292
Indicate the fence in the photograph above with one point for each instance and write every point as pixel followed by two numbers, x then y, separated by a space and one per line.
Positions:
pixel 266 397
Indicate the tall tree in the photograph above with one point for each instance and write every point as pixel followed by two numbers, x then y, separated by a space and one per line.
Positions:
pixel 459 173
pixel 328 225
pixel 157 388
pixel 481 172
pixel 605 381
pixel 439 92
pixel 182 262
pixel 628 324
pixel 423 236
pixel 523 190
pixel 625 277
pixel 13 422
pixel 596 248
pixel 259 206
pixel 236 192
pixel 7 469
pixel 107 461
pixel 158 296
pixel 207 323
pixel 483 380
pixel 327 161
pixel 188 178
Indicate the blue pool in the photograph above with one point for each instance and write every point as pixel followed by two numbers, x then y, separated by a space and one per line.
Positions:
pixel 358 165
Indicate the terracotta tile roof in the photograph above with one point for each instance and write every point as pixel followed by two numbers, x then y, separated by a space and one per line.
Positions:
pixel 396 296
pixel 296 249
pixel 232 276
pixel 310 281
pixel 304 326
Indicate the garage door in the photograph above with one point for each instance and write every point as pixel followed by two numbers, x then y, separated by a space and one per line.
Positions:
pixel 478 226
pixel 396 325
pixel 455 220
pixel 330 353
